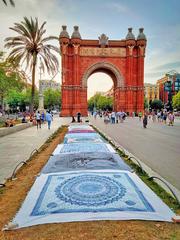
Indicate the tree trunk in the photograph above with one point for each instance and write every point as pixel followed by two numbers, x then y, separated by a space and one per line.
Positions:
pixel 33 84
pixel 2 104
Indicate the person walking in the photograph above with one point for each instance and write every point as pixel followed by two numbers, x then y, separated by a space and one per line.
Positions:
pixel 42 117
pixel 145 120
pixel 165 116
pixel 49 119
pixel 113 117
pixel 73 119
pixel 171 119
pixel 38 120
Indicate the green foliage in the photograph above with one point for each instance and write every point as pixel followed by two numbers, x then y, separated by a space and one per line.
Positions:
pixel 146 104
pixel 9 78
pixel 21 99
pixel 14 98
pixel 52 98
pixel 100 102
pixel 176 101
pixel 156 104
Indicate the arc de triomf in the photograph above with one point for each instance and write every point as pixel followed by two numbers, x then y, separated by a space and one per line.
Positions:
pixel 122 60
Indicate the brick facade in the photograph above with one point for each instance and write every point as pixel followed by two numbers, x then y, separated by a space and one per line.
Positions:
pixel 123 60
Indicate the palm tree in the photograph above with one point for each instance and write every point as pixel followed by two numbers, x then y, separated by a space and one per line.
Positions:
pixel 29 45
pixel 11 2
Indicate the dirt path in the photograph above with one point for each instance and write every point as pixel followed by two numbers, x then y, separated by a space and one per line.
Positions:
pixel 12 196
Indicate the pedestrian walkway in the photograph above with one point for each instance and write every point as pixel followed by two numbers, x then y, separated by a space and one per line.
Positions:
pixel 18 146
pixel 157 146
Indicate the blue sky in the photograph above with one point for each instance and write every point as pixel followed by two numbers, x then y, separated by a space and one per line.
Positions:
pixel 160 19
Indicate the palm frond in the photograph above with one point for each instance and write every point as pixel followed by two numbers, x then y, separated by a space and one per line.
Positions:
pixel 11 2
pixel 30 42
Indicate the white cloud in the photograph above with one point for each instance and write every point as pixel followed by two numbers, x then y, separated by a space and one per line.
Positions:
pixel 118 7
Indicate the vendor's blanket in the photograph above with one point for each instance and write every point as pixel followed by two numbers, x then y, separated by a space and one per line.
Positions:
pixel 81 131
pixel 82 137
pixel 85 161
pixel 90 195
pixel 79 126
pixel 83 147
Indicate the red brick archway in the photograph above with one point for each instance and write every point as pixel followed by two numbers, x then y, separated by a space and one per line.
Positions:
pixel 122 60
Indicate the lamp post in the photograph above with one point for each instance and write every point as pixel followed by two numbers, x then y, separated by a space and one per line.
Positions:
pixel 41 97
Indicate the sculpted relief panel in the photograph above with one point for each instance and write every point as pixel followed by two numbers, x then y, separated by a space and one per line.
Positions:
pixel 103 52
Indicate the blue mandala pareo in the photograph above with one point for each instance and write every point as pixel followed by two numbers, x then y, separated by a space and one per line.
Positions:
pixel 90 190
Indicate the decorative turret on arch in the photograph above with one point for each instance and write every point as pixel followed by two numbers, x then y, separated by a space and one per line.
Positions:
pixel 123 60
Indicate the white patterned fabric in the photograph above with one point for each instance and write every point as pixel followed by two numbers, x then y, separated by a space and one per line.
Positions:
pixel 82 137
pixel 83 147
pixel 90 195
pixel 84 161
pixel 80 127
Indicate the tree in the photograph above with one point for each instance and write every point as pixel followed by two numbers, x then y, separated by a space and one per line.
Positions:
pixel 52 98
pixel 14 98
pixel 100 102
pixel 176 101
pixel 156 104
pixel 10 1
pixel 9 79
pixel 30 45
pixel 21 99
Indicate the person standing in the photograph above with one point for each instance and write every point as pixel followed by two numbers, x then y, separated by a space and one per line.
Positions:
pixel 38 119
pixel 78 117
pixel 49 119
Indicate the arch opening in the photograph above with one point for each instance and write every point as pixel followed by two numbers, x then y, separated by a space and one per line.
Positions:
pixel 99 82
pixel 107 68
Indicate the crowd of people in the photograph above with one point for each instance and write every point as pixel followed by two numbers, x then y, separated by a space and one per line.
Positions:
pixel 113 117
pixel 162 116
pixel 37 118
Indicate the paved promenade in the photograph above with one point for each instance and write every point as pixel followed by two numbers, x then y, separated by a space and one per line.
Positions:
pixel 18 146
pixel 158 146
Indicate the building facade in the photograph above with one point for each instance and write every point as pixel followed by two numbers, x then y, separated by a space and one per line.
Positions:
pixel 168 86
pixel 122 60
pixel 151 92
pixel 45 84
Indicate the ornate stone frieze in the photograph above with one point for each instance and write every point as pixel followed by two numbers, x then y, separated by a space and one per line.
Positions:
pixel 72 87
pixel 103 52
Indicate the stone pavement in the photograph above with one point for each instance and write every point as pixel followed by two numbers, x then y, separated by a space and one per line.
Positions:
pixel 18 146
pixel 158 146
